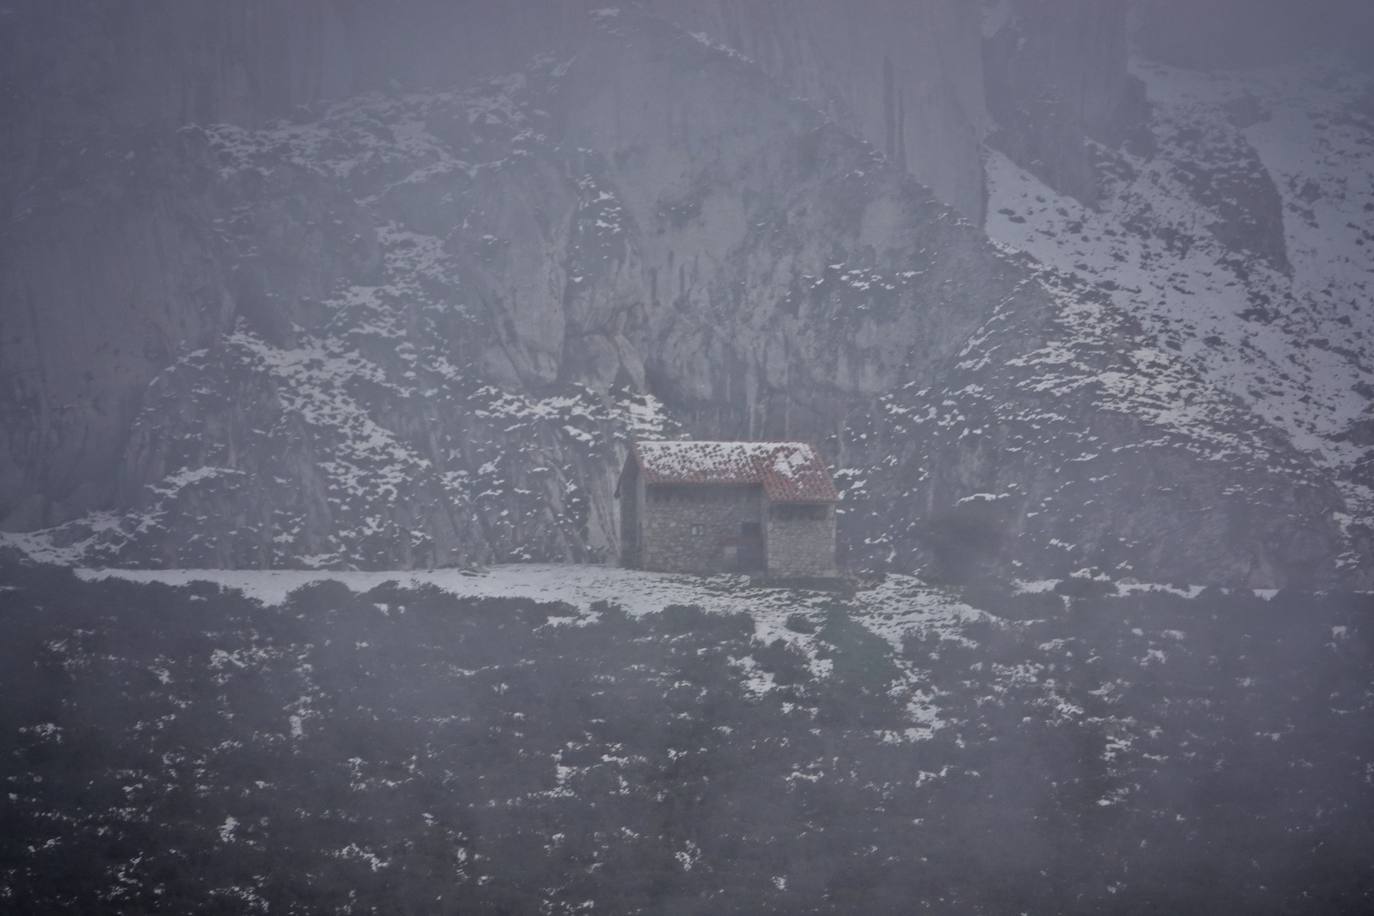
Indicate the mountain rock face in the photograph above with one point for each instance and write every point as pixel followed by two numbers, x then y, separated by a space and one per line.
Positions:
pixel 907 77
pixel 102 212
pixel 1057 79
pixel 326 290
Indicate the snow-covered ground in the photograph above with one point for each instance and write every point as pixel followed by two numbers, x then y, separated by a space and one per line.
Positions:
pixel 637 592
pixel 900 604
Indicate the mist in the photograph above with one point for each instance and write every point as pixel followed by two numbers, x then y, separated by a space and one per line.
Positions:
pixel 335 573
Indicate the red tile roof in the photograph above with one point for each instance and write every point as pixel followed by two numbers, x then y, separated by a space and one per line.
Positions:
pixel 788 471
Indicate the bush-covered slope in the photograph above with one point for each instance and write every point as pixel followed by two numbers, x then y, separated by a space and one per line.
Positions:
pixel 408 750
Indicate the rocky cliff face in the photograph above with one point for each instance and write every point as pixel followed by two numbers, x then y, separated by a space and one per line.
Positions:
pixel 503 283
pixel 1057 83
pixel 416 326
pixel 110 265
pixel 905 76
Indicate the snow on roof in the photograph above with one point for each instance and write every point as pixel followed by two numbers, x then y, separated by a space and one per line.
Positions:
pixel 788 471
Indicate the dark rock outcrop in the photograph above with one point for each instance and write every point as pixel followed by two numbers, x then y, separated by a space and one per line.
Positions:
pixel 1057 81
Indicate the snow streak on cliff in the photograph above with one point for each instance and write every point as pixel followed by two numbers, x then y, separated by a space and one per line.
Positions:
pixel 1237 231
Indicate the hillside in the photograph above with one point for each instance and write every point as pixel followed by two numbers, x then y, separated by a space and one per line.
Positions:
pixel 413 321
pixel 326 328
pixel 1237 230
pixel 574 739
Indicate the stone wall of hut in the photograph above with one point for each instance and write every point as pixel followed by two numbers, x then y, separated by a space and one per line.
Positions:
pixel 801 540
pixel 688 528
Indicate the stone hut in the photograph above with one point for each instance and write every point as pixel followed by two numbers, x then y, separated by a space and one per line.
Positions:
pixel 707 507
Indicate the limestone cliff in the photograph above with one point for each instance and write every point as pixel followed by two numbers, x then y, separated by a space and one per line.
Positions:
pixel 905 76
pixel 316 284
pixel 113 261
pixel 1057 82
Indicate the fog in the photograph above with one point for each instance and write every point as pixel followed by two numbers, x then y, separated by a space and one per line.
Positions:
pixel 1070 297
